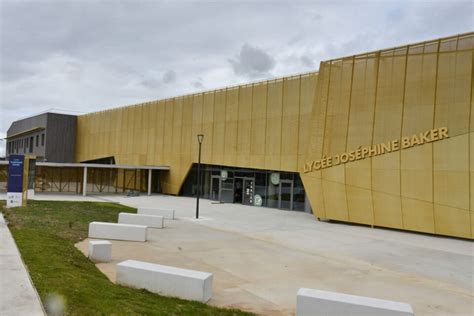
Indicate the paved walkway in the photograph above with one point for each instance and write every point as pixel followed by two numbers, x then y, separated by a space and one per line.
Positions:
pixel 261 256
pixel 17 294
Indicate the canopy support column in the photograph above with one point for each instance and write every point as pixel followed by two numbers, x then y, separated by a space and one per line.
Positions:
pixel 84 183
pixel 149 181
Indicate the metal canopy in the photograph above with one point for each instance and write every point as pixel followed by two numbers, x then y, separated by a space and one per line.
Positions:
pixel 93 165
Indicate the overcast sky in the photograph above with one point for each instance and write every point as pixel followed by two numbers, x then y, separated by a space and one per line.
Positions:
pixel 84 56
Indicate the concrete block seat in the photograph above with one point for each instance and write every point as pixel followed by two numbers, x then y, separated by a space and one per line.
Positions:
pixel 310 302
pixel 100 250
pixel 103 230
pixel 141 219
pixel 166 213
pixel 166 280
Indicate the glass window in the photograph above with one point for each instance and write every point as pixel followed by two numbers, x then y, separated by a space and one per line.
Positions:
pixel 298 195
pixel 260 186
pixel 42 139
pixel 37 140
pixel 31 144
pixel 276 189
pixel 273 190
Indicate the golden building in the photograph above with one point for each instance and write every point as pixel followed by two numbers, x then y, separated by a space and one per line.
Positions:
pixel 383 138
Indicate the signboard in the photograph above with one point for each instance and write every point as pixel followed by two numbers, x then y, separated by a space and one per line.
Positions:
pixel 248 191
pixel 275 178
pixel 377 149
pixel 15 180
pixel 224 175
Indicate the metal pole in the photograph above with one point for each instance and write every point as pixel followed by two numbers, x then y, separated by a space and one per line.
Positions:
pixel 199 183
pixel 149 181
pixel 84 182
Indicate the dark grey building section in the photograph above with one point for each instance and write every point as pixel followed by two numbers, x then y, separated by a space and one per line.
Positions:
pixel 61 138
pixel 49 137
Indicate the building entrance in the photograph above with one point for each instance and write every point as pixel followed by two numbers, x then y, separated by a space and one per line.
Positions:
pixel 244 190
pixel 285 196
pixel 215 188
pixel 261 188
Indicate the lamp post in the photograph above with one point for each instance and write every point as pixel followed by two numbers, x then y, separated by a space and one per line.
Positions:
pixel 200 138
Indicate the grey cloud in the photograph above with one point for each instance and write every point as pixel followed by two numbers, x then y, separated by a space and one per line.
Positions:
pixel 318 17
pixel 150 82
pixel 252 62
pixel 307 61
pixel 169 76
pixel 198 85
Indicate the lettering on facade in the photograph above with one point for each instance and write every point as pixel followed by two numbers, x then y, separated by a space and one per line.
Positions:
pixel 378 149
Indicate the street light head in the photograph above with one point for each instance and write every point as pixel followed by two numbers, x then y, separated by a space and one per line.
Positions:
pixel 200 138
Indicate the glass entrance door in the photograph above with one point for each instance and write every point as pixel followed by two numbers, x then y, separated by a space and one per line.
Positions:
pixel 216 188
pixel 285 198
pixel 248 191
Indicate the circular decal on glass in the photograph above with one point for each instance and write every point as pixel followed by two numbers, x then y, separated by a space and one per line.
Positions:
pixel 275 178
pixel 257 200
pixel 224 175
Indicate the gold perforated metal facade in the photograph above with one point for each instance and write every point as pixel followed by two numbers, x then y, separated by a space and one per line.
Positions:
pixel 296 123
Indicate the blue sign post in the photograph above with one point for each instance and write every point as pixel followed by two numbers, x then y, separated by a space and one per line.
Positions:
pixel 15 180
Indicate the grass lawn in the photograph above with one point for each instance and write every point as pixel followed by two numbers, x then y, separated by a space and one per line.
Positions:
pixel 46 232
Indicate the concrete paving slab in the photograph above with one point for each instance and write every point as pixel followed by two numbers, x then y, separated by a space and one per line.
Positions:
pixel 260 257
pixel 17 294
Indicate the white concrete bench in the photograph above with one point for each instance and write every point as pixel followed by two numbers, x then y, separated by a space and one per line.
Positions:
pixel 141 219
pixel 166 213
pixel 165 280
pixel 100 250
pixel 310 302
pixel 104 230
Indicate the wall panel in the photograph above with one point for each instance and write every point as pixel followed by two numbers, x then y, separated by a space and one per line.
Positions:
pixel 453 92
pixel 159 131
pixel 335 133
pixel 361 121
pixel 231 126
pixel 168 132
pixel 307 92
pixel 244 126
pixel 259 125
pixel 418 215
pixel 207 125
pixel 335 202
pixel 274 120
pixel 218 137
pixel 451 172
pixel 386 173
pixel 359 203
pixel 417 173
pixel 452 221
pixel 187 137
pixel 290 124
pixel 387 210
